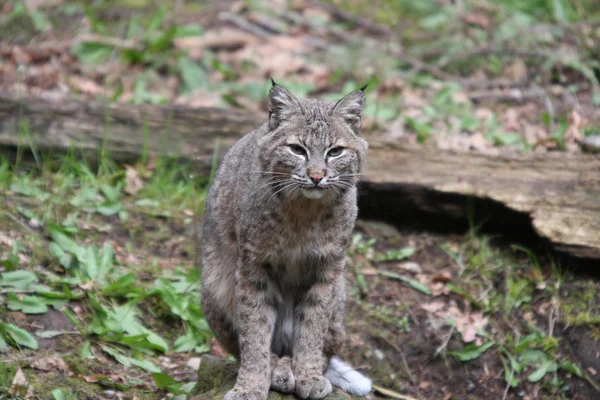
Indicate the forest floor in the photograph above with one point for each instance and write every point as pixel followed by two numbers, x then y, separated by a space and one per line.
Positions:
pixel 98 290
pixel 100 297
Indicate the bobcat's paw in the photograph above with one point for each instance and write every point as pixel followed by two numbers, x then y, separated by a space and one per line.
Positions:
pixel 312 387
pixel 241 394
pixel 282 377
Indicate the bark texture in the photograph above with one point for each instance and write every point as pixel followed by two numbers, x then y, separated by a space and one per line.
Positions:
pixel 555 195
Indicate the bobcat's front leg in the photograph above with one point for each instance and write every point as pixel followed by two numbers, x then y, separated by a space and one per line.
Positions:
pixel 256 318
pixel 309 361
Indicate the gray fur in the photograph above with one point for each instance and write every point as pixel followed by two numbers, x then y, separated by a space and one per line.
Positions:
pixel 274 242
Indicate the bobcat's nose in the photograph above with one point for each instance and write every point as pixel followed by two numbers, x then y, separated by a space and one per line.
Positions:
pixel 316 178
pixel 316 175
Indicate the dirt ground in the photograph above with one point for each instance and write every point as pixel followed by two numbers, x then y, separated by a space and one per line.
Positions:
pixel 416 300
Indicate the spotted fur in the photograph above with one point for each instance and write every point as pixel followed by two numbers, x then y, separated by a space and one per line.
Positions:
pixel 279 217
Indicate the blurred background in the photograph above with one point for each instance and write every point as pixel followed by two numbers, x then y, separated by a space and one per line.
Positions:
pixel 454 74
pixel 99 293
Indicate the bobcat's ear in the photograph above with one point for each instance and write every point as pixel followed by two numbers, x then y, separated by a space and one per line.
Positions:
pixel 350 108
pixel 282 105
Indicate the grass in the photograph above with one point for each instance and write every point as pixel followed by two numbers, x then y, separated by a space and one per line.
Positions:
pixel 103 244
pixel 73 211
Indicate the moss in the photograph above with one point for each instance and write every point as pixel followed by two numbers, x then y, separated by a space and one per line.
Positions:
pixel 44 383
pixel 216 376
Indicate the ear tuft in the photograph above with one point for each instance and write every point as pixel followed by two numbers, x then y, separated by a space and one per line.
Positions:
pixel 350 108
pixel 273 82
pixel 282 105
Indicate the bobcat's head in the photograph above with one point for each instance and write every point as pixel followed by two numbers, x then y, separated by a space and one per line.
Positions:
pixel 313 148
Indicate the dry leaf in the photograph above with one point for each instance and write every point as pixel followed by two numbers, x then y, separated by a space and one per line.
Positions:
pixel 433 306
pixel 85 85
pixel 516 71
pixel 52 363
pixel 19 384
pixel 479 19
pixel 573 134
pixel 217 39
pixel 133 183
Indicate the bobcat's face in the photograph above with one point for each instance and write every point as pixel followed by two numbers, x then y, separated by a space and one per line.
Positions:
pixel 313 148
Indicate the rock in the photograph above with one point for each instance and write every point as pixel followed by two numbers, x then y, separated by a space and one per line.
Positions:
pixel 216 376
pixel 591 144
pixel 194 363
pixel 410 266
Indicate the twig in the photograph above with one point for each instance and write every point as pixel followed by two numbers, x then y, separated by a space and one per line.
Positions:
pixel 399 350
pixel 512 95
pixel 391 393
pixel 446 341
pixel 18 221
pixel 244 24
pixel 17 291
pixel 507 388
pixel 344 16
pixel 110 41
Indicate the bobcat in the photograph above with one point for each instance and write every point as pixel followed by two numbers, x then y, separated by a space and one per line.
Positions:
pixel 278 219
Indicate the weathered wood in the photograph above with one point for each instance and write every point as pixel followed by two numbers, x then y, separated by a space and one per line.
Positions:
pixel 555 194
pixel 216 376
pixel 123 131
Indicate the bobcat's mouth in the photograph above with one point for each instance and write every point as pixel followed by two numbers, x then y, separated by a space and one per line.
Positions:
pixel 313 192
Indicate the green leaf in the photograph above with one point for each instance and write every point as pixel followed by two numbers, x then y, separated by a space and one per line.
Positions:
pixel 20 336
pixel 86 350
pixel 92 52
pixel 109 208
pixel 559 12
pixel 106 259
pixel 63 258
pixel 48 334
pixel 66 243
pixel 27 304
pixel 157 20
pixel 397 254
pixel 128 361
pixel 39 21
pixel 471 351
pixel 3 344
pixel 185 342
pixel 18 279
pixel 162 380
pixel 145 365
pixel 532 357
pixel 568 366
pixel 434 21
pixel 29 190
pixel 194 77
pixel 123 286
pixel 58 394
pixel 91 262
pixel 410 282
pixel 538 374
pixel 506 139
pixel 189 30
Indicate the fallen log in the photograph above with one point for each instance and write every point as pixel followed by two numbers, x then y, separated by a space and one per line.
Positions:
pixel 216 376
pixel 555 195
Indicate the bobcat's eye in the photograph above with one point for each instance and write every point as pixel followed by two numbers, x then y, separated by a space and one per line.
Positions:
pixel 298 150
pixel 335 152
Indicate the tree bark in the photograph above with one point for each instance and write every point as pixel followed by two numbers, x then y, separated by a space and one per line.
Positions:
pixel 554 195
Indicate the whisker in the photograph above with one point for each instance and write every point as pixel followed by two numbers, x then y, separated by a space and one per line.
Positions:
pixel 282 189
pixel 266 172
